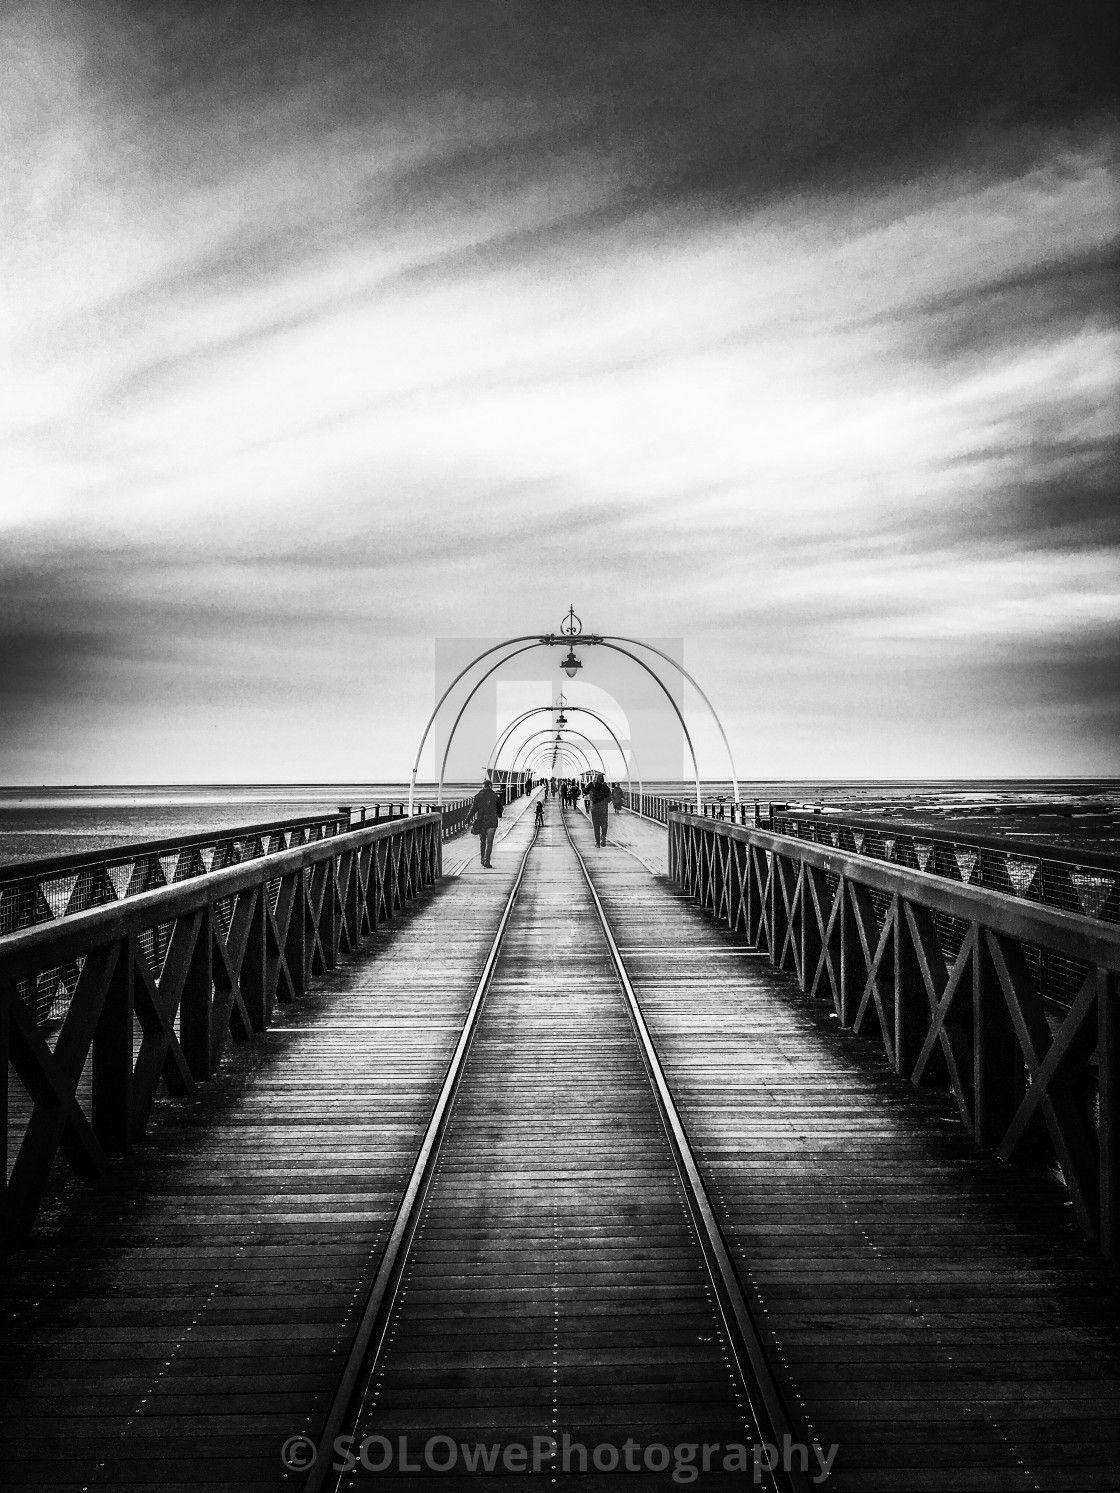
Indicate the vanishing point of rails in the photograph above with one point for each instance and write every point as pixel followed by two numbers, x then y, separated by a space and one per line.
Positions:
pixel 741 1152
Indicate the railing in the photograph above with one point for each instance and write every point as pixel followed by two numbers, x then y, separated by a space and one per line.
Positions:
pixel 653 806
pixel 458 812
pixel 1083 882
pixel 658 807
pixel 1036 873
pixel 949 977
pixel 455 816
pixel 162 979
pixel 398 809
pixel 35 892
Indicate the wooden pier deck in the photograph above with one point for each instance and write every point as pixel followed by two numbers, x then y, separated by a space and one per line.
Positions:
pixel 934 1311
pixel 931 1311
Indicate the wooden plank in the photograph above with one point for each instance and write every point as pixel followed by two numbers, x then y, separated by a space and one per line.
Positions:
pixel 928 1308
pixel 555 1235
pixel 227 1257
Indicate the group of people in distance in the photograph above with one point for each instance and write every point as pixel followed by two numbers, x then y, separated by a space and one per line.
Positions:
pixel 598 795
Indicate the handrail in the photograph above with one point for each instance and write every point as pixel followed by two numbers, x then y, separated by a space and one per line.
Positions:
pixel 1083 855
pixel 190 964
pixel 1012 1004
pixel 655 806
pixel 61 865
pixel 1047 874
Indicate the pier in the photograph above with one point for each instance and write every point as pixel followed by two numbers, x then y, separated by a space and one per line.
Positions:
pixel 449 1039
pixel 790 1161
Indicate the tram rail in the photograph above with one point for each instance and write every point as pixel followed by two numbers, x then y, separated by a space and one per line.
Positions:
pixel 353 1408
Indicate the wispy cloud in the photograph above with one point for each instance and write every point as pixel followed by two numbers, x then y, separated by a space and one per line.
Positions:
pixel 791 326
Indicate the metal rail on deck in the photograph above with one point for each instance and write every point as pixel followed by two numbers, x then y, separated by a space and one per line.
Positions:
pixel 955 979
pixel 184 967
pixel 350 1395
pixel 753 1367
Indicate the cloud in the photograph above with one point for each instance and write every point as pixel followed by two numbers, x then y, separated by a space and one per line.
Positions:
pixel 346 327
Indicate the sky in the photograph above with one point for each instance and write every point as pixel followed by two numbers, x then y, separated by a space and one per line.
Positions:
pixel 331 331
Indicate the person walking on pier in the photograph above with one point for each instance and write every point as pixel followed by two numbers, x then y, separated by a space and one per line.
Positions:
pixel 540 813
pixel 616 797
pixel 484 820
pixel 600 796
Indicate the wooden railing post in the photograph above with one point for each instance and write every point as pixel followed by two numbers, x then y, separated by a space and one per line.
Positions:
pixel 853 965
pixel 253 975
pixel 325 953
pixel 293 900
pixel 196 1005
pixel 7 995
pixel 911 1004
pixel 736 887
pixel 995 1055
pixel 1108 1077
pixel 753 898
pixel 780 940
pixel 111 1057
pixel 812 881
pixel 351 902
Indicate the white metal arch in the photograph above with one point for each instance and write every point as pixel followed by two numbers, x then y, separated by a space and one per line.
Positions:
pixel 573 753
pixel 459 717
pixel 543 751
pixel 567 729
pixel 552 640
pixel 614 637
pixel 499 746
pixel 546 643
pixel 691 749
pixel 486 652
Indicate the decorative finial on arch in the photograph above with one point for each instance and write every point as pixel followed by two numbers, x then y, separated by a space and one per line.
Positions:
pixel 571 627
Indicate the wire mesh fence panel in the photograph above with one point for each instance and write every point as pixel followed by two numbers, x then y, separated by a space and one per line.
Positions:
pixel 41 892
pixel 1089 889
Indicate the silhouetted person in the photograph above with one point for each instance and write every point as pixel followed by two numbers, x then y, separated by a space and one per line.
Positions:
pixel 483 821
pixel 599 795
pixel 616 797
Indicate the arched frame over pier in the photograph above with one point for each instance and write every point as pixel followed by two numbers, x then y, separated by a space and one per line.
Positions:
pixel 570 637
pixel 569 736
pixel 547 642
pixel 555 750
pixel 504 735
